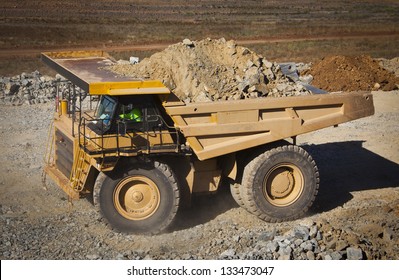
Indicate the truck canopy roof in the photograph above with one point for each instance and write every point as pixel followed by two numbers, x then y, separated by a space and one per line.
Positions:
pixel 88 70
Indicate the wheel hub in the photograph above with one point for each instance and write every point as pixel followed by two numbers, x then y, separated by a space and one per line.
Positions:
pixel 137 198
pixel 282 184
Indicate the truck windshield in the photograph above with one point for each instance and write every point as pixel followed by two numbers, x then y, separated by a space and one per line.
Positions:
pixel 105 110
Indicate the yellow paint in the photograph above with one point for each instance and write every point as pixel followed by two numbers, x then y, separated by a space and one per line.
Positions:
pixel 128 88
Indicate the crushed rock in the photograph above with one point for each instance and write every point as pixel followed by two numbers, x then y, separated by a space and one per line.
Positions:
pixel 212 70
pixel 31 88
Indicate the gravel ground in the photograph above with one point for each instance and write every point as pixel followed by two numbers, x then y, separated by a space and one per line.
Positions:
pixel 355 215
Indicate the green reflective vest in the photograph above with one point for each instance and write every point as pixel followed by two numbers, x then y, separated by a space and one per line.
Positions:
pixel 133 115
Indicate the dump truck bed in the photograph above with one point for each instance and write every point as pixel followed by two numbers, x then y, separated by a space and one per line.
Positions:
pixel 217 128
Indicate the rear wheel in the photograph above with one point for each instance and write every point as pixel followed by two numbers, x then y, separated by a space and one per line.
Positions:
pixel 280 184
pixel 143 200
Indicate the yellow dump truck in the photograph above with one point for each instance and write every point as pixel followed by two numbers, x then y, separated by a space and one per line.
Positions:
pixel 142 153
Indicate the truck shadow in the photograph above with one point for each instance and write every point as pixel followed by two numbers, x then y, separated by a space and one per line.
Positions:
pixel 344 167
pixel 347 167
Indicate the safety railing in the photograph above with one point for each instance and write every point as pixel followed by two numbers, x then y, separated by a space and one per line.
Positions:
pixel 100 137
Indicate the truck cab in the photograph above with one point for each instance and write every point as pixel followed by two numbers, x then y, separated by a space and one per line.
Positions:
pixel 128 125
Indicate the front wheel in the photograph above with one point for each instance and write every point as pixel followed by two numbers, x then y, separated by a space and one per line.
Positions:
pixel 145 199
pixel 280 184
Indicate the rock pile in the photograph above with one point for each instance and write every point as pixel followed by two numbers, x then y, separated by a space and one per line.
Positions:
pixel 211 70
pixel 303 242
pixel 30 88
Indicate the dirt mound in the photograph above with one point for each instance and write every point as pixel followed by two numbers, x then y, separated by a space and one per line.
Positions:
pixel 210 70
pixel 346 73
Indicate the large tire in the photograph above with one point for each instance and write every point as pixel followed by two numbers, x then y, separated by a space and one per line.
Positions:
pixel 235 193
pixel 142 200
pixel 280 184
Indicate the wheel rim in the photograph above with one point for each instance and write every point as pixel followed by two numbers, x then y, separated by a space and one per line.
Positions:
pixel 283 184
pixel 136 197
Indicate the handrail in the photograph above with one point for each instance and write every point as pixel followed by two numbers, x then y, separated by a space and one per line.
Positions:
pixel 88 137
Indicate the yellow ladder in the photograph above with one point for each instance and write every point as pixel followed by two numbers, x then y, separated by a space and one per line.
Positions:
pixel 48 157
pixel 80 169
